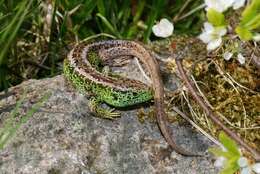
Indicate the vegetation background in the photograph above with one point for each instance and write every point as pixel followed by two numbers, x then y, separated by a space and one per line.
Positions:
pixel 36 35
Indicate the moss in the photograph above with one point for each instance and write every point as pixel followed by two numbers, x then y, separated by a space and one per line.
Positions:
pixel 95 61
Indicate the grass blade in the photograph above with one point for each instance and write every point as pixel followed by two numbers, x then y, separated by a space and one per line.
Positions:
pixel 13 27
pixel 109 25
pixel 10 128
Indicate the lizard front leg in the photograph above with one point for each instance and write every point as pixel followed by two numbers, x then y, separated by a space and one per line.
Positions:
pixel 99 111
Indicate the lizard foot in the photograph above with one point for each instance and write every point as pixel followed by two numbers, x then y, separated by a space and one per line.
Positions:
pixel 102 112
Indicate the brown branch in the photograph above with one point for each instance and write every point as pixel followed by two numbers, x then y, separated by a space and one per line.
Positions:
pixel 256 61
pixel 211 114
pixel 37 64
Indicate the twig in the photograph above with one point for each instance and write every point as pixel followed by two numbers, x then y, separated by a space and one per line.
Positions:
pixel 255 59
pixel 200 92
pixel 37 65
pixel 191 12
pixel 234 126
pixel 98 35
pixel 210 113
pixel 142 71
pixel 181 10
pixel 195 115
pixel 196 126
pixel 229 79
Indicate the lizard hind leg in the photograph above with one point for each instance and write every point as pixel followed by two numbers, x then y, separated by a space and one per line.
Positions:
pixel 95 107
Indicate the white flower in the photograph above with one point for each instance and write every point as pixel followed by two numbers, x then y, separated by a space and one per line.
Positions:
pixel 223 5
pixel 212 36
pixel 219 5
pixel 163 29
pixel 238 3
pixel 241 59
pixel 256 168
pixel 242 162
pixel 227 55
pixel 220 162
pixel 246 170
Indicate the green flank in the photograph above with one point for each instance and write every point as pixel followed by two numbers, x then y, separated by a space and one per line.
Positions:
pixel 105 94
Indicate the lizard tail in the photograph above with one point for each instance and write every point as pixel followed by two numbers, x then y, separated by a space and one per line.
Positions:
pixel 154 70
pixel 166 132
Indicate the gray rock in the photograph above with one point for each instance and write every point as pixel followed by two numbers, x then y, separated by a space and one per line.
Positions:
pixel 64 137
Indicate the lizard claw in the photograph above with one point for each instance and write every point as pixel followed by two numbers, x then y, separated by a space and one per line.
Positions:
pixel 102 112
pixel 109 114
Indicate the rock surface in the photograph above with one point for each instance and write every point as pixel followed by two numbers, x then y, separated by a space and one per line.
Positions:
pixel 64 137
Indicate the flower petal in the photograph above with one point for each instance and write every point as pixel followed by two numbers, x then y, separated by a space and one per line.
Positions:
pixel 227 55
pixel 205 37
pixel 219 5
pixel 256 168
pixel 214 4
pixel 166 23
pixel 242 162
pixel 212 45
pixel 238 3
pixel 227 3
pixel 208 27
pixel 246 170
pixel 156 30
pixel 167 27
pixel 222 31
pixel 163 29
pixel 212 35
pixel 241 59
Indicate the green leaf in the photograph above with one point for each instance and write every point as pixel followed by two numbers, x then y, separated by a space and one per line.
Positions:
pixel 250 12
pixel 244 33
pixel 101 7
pixel 219 152
pixel 254 23
pixel 12 125
pixel 157 8
pixel 232 154
pixel 250 21
pixel 215 18
pixel 139 12
pixel 229 144
pixel 11 30
pixel 109 25
pixel 230 167
pixel 229 170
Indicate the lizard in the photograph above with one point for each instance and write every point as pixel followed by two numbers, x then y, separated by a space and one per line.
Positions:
pixel 119 91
